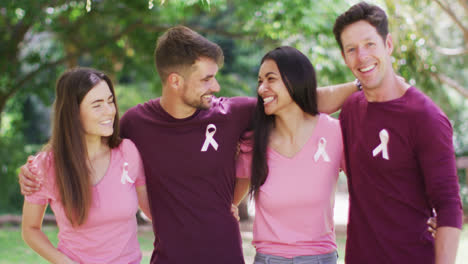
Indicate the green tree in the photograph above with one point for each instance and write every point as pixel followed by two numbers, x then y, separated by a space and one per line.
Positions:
pixel 39 39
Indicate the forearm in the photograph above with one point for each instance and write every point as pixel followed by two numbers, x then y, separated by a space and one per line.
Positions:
pixel 331 98
pixel 240 190
pixel 31 225
pixel 446 244
pixel 40 243
pixel 143 202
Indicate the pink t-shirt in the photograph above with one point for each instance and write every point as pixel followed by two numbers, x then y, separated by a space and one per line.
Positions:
pixel 109 234
pixel 294 207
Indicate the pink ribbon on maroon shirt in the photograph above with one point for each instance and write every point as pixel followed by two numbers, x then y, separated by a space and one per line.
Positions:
pixel 209 140
pixel 383 147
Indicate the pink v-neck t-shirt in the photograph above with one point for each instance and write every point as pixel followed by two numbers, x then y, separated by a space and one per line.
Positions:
pixel 294 207
pixel 109 234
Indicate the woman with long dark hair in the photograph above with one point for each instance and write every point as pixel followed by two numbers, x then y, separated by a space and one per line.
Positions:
pixel 92 179
pixel 293 168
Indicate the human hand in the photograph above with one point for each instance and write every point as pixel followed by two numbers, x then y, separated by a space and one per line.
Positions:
pixel 432 226
pixel 235 212
pixel 238 150
pixel 28 178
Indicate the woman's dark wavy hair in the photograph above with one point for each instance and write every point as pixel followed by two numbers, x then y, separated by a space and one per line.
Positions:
pixel 67 142
pixel 298 76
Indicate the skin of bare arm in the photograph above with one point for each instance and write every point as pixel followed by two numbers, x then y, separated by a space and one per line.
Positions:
pixel 446 244
pixel 31 225
pixel 143 202
pixel 240 190
pixel 331 98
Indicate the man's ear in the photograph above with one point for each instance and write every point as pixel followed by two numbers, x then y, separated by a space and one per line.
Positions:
pixel 389 44
pixel 175 81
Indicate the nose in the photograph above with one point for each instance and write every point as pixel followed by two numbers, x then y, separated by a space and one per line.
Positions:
pixel 110 108
pixel 362 53
pixel 261 88
pixel 215 88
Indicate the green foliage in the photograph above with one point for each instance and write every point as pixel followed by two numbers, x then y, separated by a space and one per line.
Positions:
pixel 419 42
pixel 13 153
pixel 129 95
pixel 40 39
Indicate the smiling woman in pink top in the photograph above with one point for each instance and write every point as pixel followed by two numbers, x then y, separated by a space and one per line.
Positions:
pixel 92 179
pixel 293 168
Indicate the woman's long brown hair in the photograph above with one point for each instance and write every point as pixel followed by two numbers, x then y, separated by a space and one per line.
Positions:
pixel 68 144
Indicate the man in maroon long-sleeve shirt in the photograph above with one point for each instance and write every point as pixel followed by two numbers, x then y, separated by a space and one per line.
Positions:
pixel 399 155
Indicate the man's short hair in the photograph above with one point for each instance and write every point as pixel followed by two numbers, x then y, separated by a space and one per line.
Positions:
pixel 372 14
pixel 180 47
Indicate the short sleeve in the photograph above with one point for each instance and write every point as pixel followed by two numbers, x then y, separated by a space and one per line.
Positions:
pixel 244 108
pixel 42 162
pixel 135 164
pixel 244 159
pixel 333 131
pixel 343 160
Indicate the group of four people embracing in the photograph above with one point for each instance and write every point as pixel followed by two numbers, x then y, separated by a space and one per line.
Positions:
pixel 187 159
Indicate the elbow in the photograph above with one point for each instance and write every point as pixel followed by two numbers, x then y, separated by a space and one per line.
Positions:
pixel 28 233
pixel 25 234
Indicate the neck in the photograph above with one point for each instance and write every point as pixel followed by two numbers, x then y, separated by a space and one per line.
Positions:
pixel 391 88
pixel 289 123
pixel 174 105
pixel 95 146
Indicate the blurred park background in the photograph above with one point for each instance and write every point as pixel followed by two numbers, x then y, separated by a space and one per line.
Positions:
pixel 40 39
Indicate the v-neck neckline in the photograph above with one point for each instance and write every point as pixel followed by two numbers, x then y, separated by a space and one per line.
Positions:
pixel 107 170
pixel 298 153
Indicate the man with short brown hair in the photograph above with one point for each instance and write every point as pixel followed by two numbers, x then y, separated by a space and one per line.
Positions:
pixel 399 155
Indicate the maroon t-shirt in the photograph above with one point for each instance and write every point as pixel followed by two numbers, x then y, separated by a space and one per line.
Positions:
pixel 190 175
pixel 400 165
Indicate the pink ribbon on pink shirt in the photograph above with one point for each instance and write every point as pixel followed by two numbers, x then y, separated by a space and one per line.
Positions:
pixel 125 178
pixel 321 150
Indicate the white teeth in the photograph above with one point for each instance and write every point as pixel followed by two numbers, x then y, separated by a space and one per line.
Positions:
pixel 106 122
pixel 207 96
pixel 368 68
pixel 266 100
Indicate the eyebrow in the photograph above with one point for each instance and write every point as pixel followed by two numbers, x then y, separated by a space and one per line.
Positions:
pixel 208 76
pixel 352 45
pixel 268 74
pixel 101 100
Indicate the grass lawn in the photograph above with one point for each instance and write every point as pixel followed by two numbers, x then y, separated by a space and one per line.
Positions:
pixel 14 250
